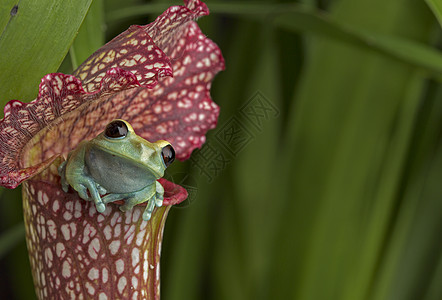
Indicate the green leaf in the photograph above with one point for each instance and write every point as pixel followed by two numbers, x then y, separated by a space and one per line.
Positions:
pixel 413 257
pixel 34 42
pixel 7 8
pixel 412 52
pixel 348 139
pixel 436 7
pixel 262 119
pixel 302 18
pixel 136 10
pixel 91 35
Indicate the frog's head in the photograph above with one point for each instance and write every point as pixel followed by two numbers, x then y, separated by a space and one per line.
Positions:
pixel 120 141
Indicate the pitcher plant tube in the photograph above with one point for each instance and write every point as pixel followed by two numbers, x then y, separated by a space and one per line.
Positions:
pixel 156 77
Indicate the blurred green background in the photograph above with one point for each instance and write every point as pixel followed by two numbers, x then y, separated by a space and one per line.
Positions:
pixel 323 179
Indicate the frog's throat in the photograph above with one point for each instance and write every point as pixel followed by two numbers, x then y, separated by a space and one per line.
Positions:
pixel 129 158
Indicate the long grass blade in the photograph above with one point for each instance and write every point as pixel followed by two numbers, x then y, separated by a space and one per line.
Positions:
pixel 436 7
pixel 34 42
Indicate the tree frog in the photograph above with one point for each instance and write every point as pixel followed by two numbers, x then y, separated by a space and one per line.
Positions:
pixel 117 165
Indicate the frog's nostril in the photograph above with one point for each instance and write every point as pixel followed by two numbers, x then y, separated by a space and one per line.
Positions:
pixel 116 129
pixel 168 154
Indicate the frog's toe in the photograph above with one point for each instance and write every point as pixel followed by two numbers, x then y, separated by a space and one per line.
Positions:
pixel 159 202
pixel 82 192
pixel 147 215
pixel 111 198
pixel 159 198
pixel 101 207
pixel 101 190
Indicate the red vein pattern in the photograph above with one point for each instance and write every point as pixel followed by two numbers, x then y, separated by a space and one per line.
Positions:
pixel 77 253
pixel 68 110
pixel 133 51
pixel 158 78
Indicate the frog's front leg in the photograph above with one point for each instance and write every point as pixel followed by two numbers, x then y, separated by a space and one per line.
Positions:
pixel 74 172
pixel 65 182
pixel 96 191
pixel 84 184
pixel 62 172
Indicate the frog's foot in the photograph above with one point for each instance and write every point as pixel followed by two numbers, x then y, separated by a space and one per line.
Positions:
pixel 82 191
pixel 100 206
pixel 113 197
pixel 87 184
pixel 147 214
pixel 101 190
pixel 131 201
pixel 159 200
pixel 147 194
pixel 159 194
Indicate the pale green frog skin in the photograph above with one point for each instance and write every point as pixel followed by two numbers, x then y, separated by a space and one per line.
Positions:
pixel 119 165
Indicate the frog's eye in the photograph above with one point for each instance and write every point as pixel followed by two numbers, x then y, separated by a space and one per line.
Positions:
pixel 116 129
pixel 168 155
